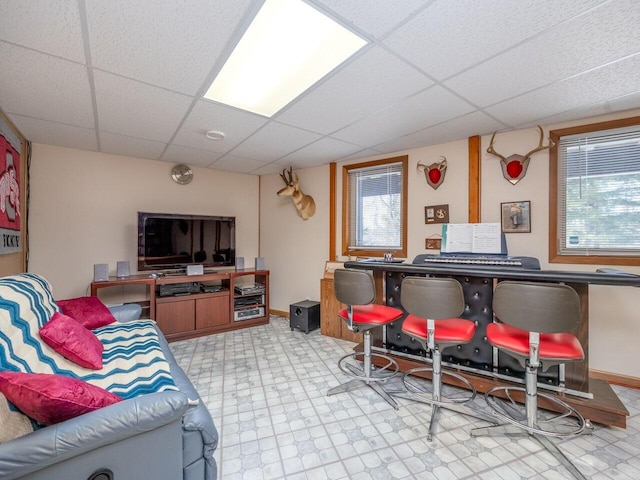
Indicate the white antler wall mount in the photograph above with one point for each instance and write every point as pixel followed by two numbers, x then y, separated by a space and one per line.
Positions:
pixel 514 167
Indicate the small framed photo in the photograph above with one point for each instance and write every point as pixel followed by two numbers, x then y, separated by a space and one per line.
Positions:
pixel 436 214
pixel 516 217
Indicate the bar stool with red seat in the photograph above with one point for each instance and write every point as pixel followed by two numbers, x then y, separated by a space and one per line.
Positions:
pixel 434 305
pixel 356 289
pixel 535 325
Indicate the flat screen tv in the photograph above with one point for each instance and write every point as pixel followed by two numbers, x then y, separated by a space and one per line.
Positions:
pixel 172 241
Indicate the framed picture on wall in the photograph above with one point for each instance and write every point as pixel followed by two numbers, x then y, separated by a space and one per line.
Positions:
pixel 436 214
pixel 330 267
pixel 516 217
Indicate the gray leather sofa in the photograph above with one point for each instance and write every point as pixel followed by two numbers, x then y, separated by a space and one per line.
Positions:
pixel 168 435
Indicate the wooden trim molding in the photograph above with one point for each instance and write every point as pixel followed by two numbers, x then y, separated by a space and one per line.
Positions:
pixel 615 378
pixel 279 313
pixel 474 179
pixel 345 206
pixel 332 211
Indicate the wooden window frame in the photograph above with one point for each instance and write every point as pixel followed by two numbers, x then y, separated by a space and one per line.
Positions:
pixel 554 251
pixel 402 253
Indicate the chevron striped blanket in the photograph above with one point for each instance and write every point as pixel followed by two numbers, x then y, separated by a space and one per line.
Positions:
pixel 134 363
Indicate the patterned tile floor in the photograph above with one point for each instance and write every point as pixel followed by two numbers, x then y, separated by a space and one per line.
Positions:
pixel 266 389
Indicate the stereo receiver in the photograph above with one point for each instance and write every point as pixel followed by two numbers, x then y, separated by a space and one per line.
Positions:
pixel 185 288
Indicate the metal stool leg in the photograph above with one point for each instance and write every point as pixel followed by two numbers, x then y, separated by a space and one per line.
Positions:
pixel 437 400
pixel 519 423
pixel 366 375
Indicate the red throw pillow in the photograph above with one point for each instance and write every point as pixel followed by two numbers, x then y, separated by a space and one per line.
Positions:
pixel 49 398
pixel 73 341
pixel 89 311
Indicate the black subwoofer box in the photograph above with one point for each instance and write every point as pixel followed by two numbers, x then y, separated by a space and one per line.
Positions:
pixel 304 315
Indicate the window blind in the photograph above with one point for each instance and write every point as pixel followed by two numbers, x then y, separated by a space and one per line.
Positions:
pixel 375 207
pixel 599 193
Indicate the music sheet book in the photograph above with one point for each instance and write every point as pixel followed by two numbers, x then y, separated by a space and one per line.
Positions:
pixel 483 238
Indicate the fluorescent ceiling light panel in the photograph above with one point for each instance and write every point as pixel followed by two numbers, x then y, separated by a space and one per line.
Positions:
pixel 287 48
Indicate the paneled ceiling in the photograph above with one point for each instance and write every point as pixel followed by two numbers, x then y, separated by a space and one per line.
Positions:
pixel 127 77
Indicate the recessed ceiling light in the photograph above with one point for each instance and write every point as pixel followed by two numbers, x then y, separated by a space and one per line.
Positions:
pixel 287 48
pixel 213 135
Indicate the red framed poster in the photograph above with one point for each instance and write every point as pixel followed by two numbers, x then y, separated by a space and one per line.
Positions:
pixel 9 192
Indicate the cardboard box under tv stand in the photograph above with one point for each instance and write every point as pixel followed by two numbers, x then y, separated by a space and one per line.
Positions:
pixel 188 315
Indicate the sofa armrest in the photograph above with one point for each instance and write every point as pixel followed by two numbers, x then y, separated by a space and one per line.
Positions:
pixel 126 313
pixel 57 443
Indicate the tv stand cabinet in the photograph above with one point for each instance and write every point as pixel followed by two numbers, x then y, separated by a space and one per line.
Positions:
pixel 195 314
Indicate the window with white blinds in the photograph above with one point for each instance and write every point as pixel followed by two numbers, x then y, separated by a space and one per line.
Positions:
pixel 599 193
pixel 375 201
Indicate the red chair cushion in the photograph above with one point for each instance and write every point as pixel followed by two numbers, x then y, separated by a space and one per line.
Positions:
pixel 372 314
pixel 553 346
pixel 448 330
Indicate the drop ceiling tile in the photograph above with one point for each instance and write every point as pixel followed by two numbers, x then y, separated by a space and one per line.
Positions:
pixel 54 133
pixel 606 34
pixel 321 152
pixel 487 53
pixel 448 37
pixel 173 44
pixel 269 169
pixel 476 123
pixel 371 82
pixel 608 82
pixel 235 124
pixel 130 146
pixel 600 108
pixel 137 109
pixel 625 102
pixel 52 26
pixel 364 153
pixel 189 156
pixel 64 97
pixel 374 17
pixel 233 163
pixel 273 141
pixel 427 108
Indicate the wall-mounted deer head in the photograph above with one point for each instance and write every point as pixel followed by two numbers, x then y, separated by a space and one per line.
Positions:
pixel 514 167
pixel 305 205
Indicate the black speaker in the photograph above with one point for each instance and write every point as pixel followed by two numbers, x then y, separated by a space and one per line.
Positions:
pixel 304 315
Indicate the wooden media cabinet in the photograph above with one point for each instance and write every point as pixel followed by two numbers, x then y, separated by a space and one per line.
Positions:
pixel 227 301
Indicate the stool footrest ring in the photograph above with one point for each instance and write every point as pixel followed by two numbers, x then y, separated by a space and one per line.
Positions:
pixel 377 374
pixel 550 425
pixel 425 395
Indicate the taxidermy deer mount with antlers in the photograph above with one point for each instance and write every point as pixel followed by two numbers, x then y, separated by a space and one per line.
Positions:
pixel 305 205
pixel 514 167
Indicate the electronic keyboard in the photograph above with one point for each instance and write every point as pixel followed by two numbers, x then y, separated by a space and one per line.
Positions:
pixel 526 263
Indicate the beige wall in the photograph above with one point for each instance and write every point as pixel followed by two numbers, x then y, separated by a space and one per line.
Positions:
pixel 298 250
pixel 83 211
pixel 84 208
pixel 294 249
pixel 614 329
